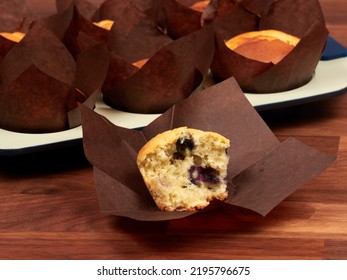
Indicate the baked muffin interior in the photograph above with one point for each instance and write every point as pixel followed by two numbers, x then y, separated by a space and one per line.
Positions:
pixel 184 169
pixel 264 45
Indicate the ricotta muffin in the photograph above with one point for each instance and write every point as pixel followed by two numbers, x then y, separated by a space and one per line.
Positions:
pixel 185 168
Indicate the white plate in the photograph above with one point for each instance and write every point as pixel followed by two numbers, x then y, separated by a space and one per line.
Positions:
pixel 15 143
pixel 329 80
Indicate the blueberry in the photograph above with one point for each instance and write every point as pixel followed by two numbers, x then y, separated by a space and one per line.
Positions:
pixel 179 156
pixel 203 174
pixel 182 145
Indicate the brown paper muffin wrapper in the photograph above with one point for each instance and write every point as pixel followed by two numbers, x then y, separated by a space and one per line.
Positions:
pixel 111 8
pixel 180 19
pixel 174 69
pixel 152 8
pixel 5 46
pixel 173 73
pixel 15 15
pixel 87 9
pixel 261 173
pixel 77 33
pixel 304 20
pixel 135 34
pixel 41 83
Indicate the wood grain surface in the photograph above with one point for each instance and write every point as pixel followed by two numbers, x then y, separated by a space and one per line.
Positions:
pixel 49 208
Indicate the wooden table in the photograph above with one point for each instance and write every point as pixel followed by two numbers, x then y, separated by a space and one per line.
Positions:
pixel 49 208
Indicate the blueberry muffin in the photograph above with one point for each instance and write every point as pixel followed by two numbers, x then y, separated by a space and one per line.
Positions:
pixel 184 168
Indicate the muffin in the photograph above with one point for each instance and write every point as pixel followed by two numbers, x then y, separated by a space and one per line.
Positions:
pixel 294 68
pixel 105 24
pixel 263 45
pixel 41 84
pixel 182 17
pixel 185 168
pixel 8 40
pixel 13 36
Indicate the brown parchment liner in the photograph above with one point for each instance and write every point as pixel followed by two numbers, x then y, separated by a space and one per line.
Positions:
pixel 152 8
pixel 180 19
pixel 77 33
pixel 86 8
pixel 173 73
pixel 16 15
pixel 169 76
pixel 92 11
pixel 261 173
pixel 41 83
pixel 304 20
pixel 135 35
pixel 5 46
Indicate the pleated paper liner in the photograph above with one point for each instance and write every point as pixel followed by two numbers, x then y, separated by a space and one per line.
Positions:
pixel 92 11
pixel 133 35
pixel 262 171
pixel 174 69
pixel 181 19
pixel 173 73
pixel 304 20
pixel 16 15
pixel 41 83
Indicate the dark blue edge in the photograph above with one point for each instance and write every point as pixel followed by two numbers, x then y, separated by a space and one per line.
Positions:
pixel 332 50
pixel 305 100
